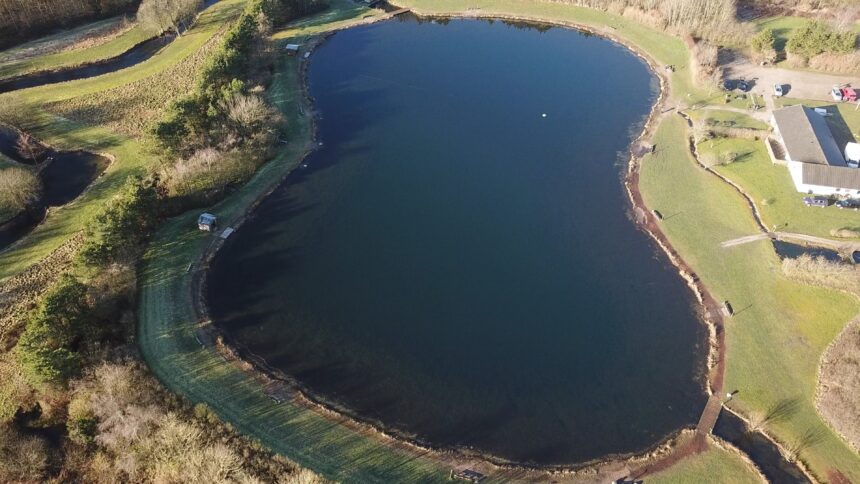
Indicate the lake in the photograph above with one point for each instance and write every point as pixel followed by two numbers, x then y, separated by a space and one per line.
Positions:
pixel 456 260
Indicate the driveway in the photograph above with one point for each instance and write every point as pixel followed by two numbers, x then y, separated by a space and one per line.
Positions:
pixel 804 84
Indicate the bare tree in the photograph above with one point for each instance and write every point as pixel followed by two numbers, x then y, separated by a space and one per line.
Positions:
pixel 29 148
pixel 160 16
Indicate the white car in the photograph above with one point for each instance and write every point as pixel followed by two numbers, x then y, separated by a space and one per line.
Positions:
pixel 777 90
pixel 836 93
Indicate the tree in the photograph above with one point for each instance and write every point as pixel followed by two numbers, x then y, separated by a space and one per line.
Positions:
pixel 123 223
pixel 44 350
pixel 763 41
pixel 159 16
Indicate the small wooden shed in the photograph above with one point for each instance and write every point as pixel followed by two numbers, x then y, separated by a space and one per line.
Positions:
pixel 206 222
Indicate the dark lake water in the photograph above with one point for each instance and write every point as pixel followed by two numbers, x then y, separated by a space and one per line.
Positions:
pixel 454 264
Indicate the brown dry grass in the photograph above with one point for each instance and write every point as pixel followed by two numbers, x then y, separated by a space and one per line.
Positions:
pixel 821 272
pixel 130 109
pixel 839 385
pixel 841 63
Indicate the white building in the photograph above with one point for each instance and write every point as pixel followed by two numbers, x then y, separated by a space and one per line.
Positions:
pixel 814 160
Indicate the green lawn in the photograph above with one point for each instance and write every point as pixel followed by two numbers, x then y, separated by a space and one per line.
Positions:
pixel 731 119
pixel 780 329
pixel 69 58
pixel 23 109
pixel 714 466
pixel 341 14
pixel 773 191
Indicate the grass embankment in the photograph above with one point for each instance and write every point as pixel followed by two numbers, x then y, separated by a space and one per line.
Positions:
pixel 780 328
pixel 25 109
pixel 74 57
pixel 167 338
pixel 729 119
pixel 714 466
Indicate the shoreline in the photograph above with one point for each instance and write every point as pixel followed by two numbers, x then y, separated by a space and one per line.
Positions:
pixel 667 450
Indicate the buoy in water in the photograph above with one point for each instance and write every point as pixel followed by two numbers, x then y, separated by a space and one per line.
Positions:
pixel 543 115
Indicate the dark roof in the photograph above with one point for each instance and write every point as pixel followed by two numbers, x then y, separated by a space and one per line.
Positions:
pixel 806 136
pixel 831 176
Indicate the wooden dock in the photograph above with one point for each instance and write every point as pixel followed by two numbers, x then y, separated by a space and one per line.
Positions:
pixel 710 414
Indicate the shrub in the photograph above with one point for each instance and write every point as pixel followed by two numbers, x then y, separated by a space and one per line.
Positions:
pixel 845 233
pixel 704 64
pixel 19 188
pixel 23 458
pixel 124 223
pixel 815 38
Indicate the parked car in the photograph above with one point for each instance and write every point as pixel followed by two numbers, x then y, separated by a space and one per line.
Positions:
pixel 836 93
pixel 816 202
pixel 849 203
pixel 729 85
pixel 743 85
pixel 777 90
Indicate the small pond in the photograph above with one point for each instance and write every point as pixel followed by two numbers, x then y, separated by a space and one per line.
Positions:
pixel 64 175
pixel 793 251
pixel 456 261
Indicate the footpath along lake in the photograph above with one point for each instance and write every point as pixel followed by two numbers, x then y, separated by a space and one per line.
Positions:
pixel 456 261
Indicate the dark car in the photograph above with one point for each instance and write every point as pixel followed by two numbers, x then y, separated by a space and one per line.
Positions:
pixel 729 85
pixel 849 204
pixel 816 202
pixel 743 85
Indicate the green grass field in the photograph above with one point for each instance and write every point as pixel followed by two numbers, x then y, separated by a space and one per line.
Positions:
pixel 714 466
pixel 727 118
pixel 780 329
pixel 771 188
pixel 70 58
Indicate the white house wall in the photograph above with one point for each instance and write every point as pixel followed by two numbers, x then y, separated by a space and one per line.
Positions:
pixel 795 169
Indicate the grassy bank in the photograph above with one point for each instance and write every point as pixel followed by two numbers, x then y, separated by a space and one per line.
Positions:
pixel 167 340
pixel 75 57
pixel 780 328
pixel 716 465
